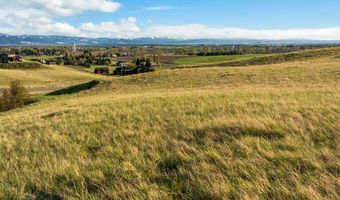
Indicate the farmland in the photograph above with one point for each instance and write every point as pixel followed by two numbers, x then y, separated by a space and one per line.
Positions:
pixel 266 131
pixel 193 60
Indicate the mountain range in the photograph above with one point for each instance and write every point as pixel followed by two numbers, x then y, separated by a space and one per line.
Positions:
pixel 30 40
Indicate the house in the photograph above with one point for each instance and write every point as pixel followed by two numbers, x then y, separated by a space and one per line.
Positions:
pixel 123 68
pixel 144 64
pixel 14 58
pixel 122 64
pixel 122 71
pixel 102 70
pixel 18 58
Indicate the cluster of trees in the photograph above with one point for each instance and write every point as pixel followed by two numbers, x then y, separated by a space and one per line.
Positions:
pixel 86 59
pixel 37 51
pixel 233 50
pixel 142 62
pixel 245 49
pixel 3 58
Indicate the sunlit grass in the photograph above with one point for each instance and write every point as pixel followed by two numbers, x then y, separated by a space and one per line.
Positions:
pixel 46 78
pixel 265 132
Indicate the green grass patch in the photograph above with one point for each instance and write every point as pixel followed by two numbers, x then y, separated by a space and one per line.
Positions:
pixel 213 59
pixel 22 65
pixel 271 58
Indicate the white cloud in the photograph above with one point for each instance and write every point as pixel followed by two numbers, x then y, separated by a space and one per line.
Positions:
pixel 60 29
pixel 71 7
pixel 125 28
pixel 196 31
pixel 159 8
pixel 38 16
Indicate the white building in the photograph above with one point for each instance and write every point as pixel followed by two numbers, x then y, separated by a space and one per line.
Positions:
pixel 74 49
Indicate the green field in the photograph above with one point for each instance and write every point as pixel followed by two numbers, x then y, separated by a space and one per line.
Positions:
pixel 264 132
pixel 213 59
pixel 26 64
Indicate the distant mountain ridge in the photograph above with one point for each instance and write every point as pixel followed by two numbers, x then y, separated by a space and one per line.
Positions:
pixel 22 40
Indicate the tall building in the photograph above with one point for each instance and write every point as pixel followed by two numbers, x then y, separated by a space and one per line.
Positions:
pixel 74 49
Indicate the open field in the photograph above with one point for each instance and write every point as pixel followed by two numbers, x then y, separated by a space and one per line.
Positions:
pixel 213 59
pixel 264 132
pixel 272 58
pixel 46 78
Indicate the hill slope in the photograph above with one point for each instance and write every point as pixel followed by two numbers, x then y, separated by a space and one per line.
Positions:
pixel 269 132
pixel 46 78
pixel 258 59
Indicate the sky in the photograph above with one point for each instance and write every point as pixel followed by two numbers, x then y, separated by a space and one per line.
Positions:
pixel 180 19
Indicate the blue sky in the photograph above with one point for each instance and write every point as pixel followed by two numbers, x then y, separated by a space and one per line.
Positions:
pixel 253 14
pixel 259 19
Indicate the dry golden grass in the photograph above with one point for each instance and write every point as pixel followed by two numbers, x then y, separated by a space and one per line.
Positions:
pixel 264 132
pixel 46 78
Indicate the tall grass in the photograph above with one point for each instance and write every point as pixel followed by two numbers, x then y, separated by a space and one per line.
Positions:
pixel 269 132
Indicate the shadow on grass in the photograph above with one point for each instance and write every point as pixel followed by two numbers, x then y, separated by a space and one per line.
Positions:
pixel 34 192
pixel 30 101
pixel 75 89
pixel 226 133
pixel 179 184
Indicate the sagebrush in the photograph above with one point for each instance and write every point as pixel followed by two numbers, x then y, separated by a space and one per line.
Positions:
pixel 13 97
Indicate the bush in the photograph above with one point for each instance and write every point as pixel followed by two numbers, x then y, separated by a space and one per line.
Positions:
pixel 13 97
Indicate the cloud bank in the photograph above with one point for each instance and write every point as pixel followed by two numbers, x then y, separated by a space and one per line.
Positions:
pixel 197 31
pixel 40 17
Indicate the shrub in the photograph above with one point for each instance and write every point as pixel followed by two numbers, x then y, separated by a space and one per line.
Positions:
pixel 13 97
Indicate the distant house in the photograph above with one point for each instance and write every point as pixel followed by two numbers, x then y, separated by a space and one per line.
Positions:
pixel 123 54
pixel 123 68
pixel 102 70
pixel 144 64
pixel 14 58
pixel 122 64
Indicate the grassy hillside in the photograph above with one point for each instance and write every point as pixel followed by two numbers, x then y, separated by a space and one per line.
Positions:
pixel 266 132
pixel 271 58
pixel 46 78
pixel 213 59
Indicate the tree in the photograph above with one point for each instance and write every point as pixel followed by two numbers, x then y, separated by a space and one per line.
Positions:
pixel 148 63
pixel 4 58
pixel 137 62
pixel 87 63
